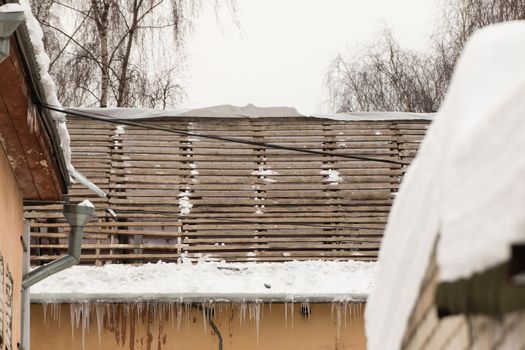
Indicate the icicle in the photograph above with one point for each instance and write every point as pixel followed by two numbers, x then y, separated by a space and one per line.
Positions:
pixel 305 309
pixel 72 320
pixel 187 309
pixel 113 314
pixel 204 315
pixel 338 315
pixel 286 315
pixel 171 314
pixel 179 315
pixel 85 311
pixel 140 307
pixel 44 311
pixel 54 311
pixel 244 308
pixel 292 311
pixel 257 319
pixel 100 311
pixel 345 305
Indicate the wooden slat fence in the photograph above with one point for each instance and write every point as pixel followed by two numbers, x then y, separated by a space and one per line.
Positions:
pixel 249 203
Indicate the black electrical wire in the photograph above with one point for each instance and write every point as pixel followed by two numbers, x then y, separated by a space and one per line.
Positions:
pixel 219 219
pixel 113 120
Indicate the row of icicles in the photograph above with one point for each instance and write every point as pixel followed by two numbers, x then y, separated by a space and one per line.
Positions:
pixel 114 316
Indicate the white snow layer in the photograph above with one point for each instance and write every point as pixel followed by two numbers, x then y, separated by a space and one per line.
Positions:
pixel 86 203
pixel 11 8
pixel 249 111
pixel 264 172
pixel 466 184
pixel 120 129
pixel 42 59
pixel 184 203
pixel 332 176
pixel 215 281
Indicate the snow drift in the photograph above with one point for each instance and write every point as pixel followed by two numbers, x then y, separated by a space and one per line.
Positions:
pixel 465 184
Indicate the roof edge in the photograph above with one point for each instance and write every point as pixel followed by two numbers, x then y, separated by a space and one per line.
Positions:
pixel 26 48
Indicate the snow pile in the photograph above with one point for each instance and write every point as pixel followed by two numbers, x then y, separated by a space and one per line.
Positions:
pixel 10 8
pixel 211 281
pixel 484 170
pixel 120 129
pixel 466 183
pixel 332 176
pixel 263 173
pixel 50 96
pixel 184 203
pixel 86 203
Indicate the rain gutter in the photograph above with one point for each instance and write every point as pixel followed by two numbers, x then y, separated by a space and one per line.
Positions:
pixel 104 298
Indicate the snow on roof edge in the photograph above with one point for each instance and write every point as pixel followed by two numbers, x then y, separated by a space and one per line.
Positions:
pixel 321 281
pixel 49 88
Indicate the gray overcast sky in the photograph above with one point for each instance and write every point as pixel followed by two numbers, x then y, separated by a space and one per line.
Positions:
pixel 280 54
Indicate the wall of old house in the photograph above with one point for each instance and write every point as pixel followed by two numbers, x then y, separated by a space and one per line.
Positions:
pixel 426 331
pixel 115 327
pixel 11 229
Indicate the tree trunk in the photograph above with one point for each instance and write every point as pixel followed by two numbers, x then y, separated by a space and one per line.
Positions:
pixel 104 86
pixel 101 18
pixel 123 79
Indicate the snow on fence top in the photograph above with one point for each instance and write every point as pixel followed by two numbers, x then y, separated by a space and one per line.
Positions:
pixel 248 111
pixel 312 281
pixel 465 184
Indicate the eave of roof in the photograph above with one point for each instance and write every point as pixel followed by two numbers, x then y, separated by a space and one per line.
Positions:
pixel 29 61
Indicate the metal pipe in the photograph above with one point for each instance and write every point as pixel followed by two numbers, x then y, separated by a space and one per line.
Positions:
pixel 25 302
pixel 85 181
pixel 77 216
pixel 210 314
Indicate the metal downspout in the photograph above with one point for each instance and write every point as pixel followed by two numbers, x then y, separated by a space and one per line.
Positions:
pixel 77 216
pixel 25 302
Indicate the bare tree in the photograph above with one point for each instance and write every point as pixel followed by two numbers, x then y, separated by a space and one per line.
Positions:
pixel 117 52
pixel 388 77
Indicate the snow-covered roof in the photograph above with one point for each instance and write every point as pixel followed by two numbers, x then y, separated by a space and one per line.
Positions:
pixel 312 281
pixel 248 111
pixel 466 184
pixel 46 82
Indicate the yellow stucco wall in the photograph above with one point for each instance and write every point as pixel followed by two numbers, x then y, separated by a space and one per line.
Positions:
pixel 11 229
pixel 124 327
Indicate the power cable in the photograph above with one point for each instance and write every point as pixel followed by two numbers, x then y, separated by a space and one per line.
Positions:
pixel 219 219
